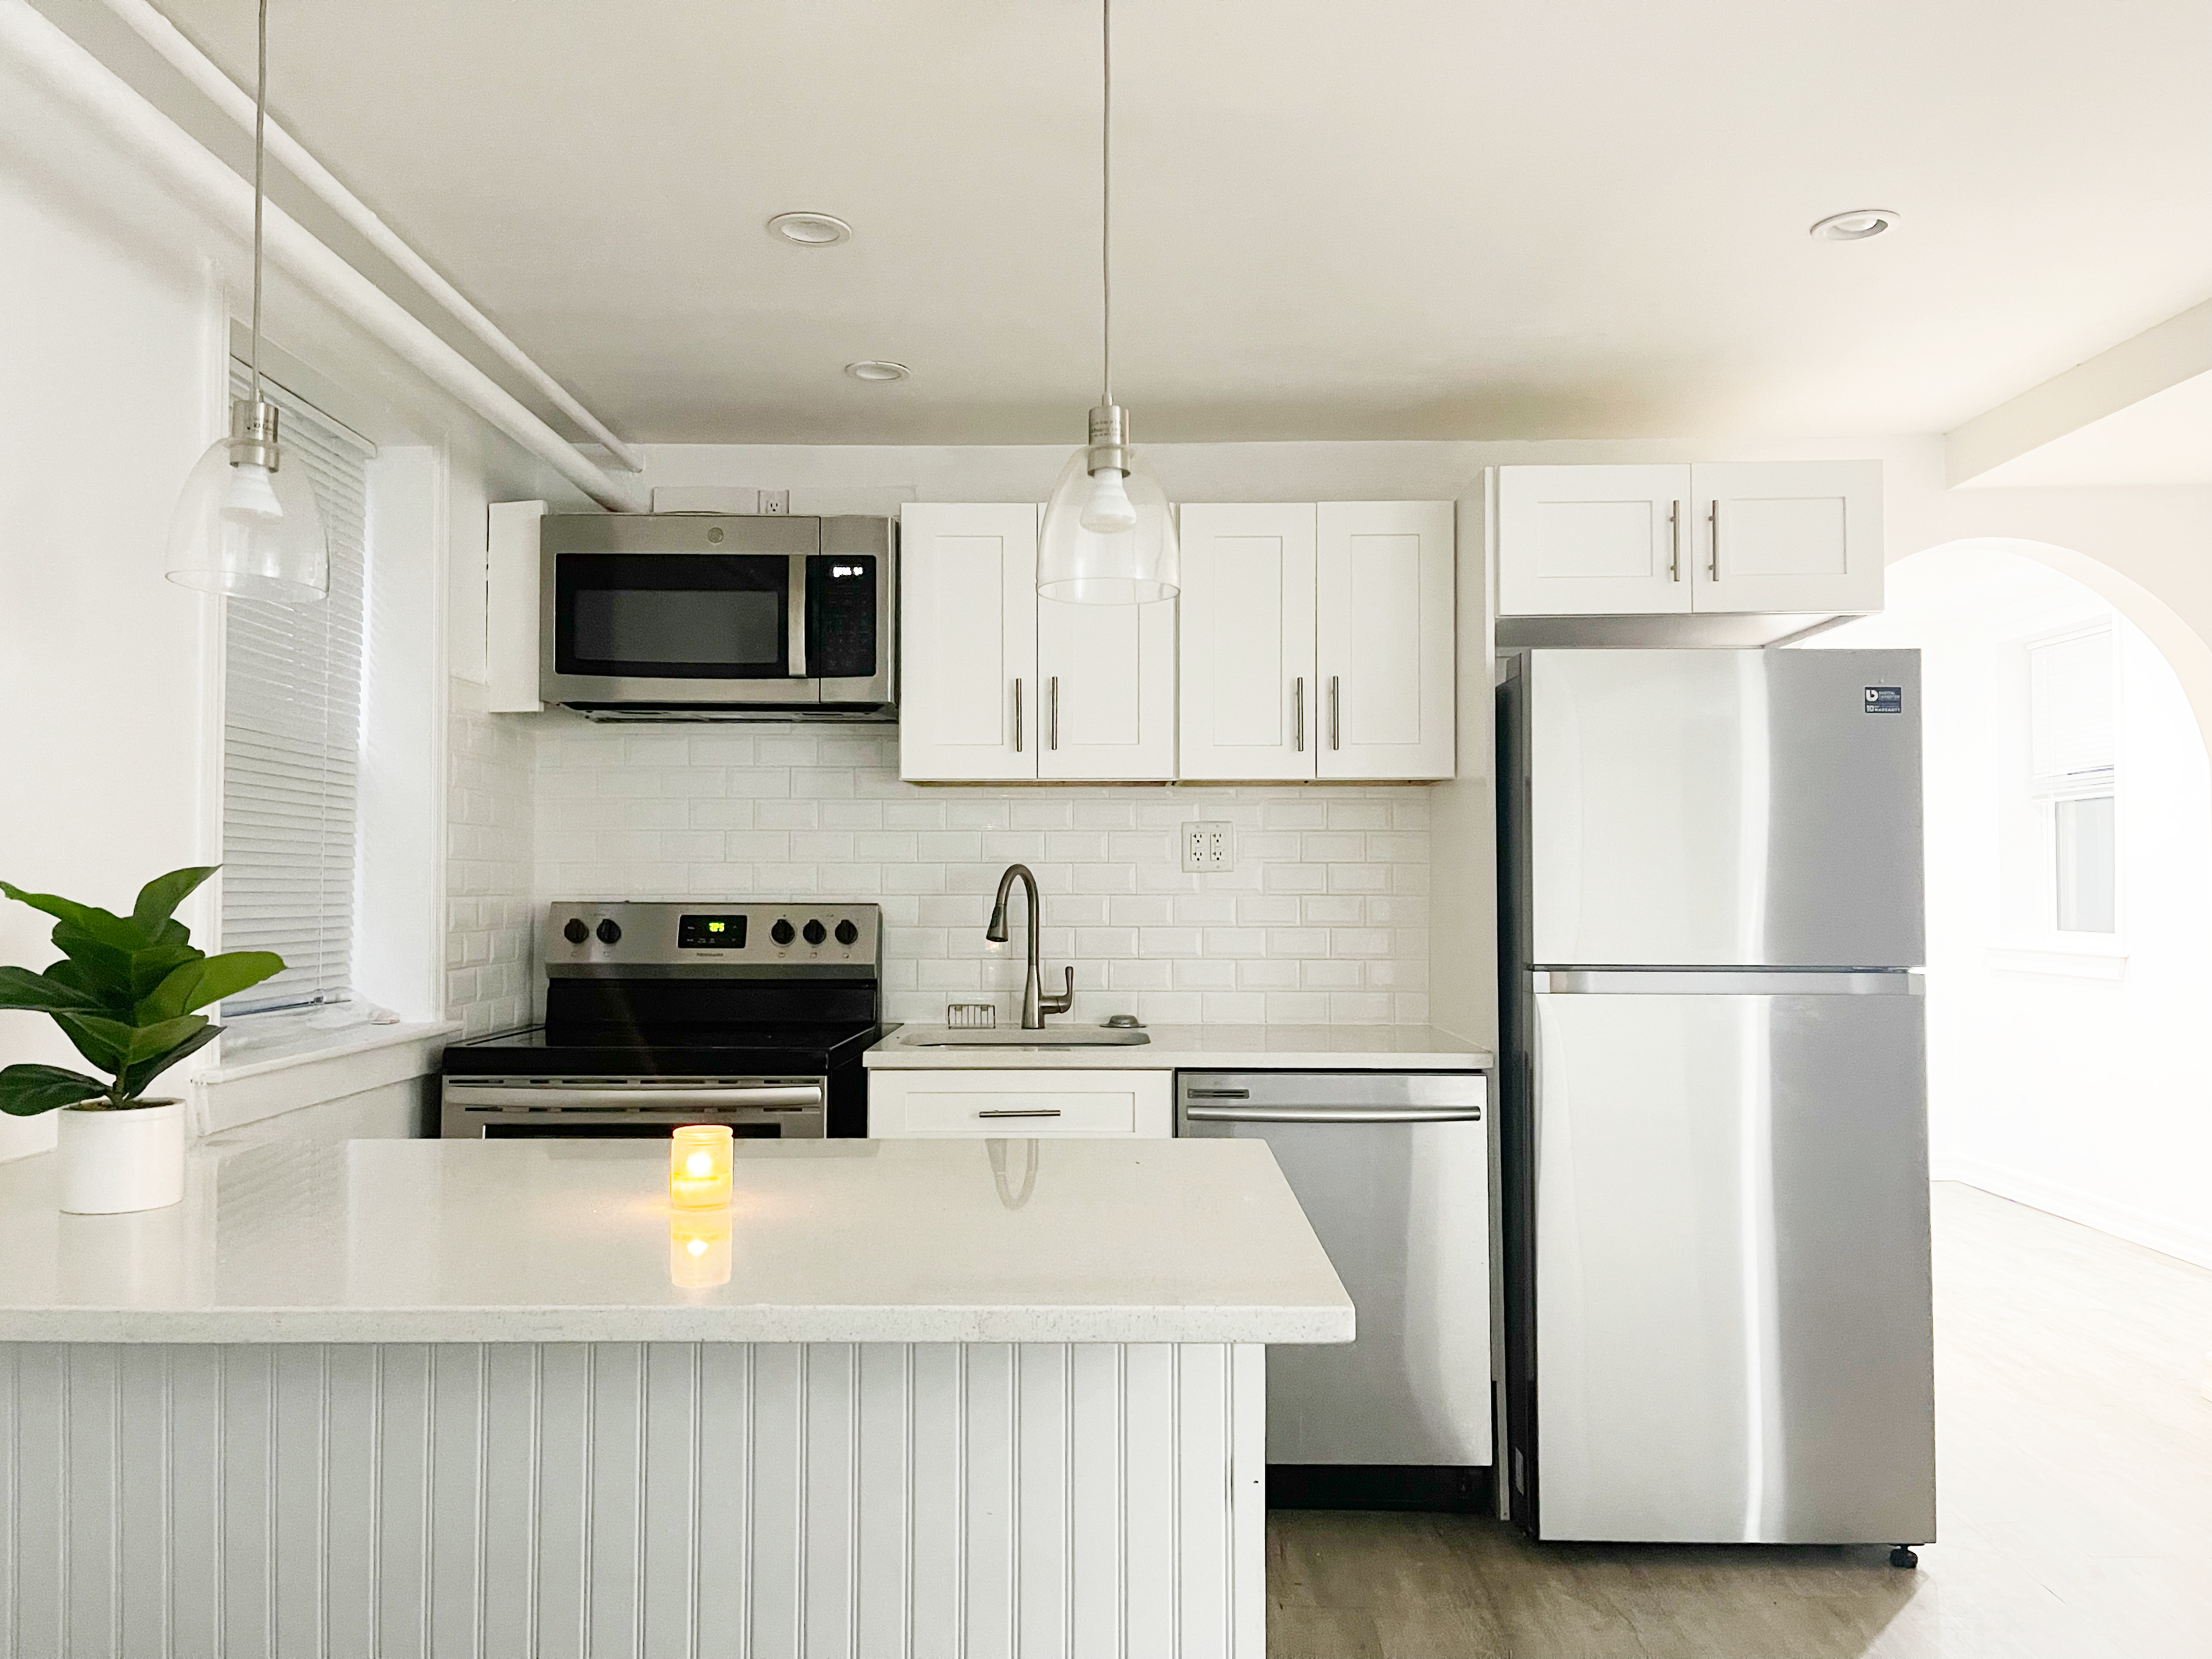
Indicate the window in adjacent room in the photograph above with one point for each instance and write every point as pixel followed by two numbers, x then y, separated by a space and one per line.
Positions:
pixel 2073 768
pixel 292 716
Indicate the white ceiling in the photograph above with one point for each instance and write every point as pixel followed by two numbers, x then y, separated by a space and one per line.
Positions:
pixel 1404 218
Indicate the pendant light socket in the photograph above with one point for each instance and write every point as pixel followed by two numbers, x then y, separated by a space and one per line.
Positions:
pixel 1109 437
pixel 253 433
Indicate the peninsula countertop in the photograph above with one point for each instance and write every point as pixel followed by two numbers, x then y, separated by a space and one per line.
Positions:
pixel 1202 1048
pixel 570 1240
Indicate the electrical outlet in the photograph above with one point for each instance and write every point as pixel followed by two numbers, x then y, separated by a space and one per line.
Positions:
pixel 1205 848
pixel 775 502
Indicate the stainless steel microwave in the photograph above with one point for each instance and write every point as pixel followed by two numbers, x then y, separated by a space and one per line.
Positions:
pixel 683 616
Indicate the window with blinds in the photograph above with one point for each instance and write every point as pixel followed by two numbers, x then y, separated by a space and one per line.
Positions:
pixel 2071 706
pixel 292 707
pixel 2073 756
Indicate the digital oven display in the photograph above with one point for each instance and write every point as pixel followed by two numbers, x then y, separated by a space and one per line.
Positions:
pixel 710 933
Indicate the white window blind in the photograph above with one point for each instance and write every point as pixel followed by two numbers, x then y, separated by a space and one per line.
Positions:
pixel 2070 704
pixel 292 702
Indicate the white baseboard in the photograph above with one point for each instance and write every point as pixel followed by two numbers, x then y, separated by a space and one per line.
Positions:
pixel 2138 1226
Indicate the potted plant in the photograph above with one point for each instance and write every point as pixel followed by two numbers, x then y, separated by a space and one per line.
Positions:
pixel 124 994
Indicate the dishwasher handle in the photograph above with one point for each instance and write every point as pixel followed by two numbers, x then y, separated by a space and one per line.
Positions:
pixel 1332 1113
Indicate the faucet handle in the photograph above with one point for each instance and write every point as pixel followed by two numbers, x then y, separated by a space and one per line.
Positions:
pixel 1060 1001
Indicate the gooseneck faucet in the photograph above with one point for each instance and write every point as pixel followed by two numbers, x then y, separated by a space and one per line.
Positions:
pixel 1034 1004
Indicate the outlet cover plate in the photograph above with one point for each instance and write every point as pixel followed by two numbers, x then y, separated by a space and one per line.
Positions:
pixel 1206 847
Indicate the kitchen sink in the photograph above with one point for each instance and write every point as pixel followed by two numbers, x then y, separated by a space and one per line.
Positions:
pixel 1052 1037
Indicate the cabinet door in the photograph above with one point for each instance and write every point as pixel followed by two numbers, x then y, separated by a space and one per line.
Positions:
pixel 1247 642
pixel 906 1105
pixel 1106 689
pixel 967 634
pixel 1593 541
pixel 1789 536
pixel 1383 639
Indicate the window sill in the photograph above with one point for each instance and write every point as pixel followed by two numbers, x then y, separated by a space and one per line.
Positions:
pixel 291 1064
pixel 2058 962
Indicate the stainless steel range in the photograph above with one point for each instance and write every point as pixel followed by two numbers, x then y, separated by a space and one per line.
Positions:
pixel 752 1015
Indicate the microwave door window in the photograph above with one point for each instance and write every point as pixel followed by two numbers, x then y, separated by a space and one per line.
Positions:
pixel 673 617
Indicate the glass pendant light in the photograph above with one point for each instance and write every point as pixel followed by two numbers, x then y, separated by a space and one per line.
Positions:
pixel 246 527
pixel 1109 532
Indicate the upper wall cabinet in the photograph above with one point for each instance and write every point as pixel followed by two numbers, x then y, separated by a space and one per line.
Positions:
pixel 1756 537
pixel 1318 641
pixel 998 683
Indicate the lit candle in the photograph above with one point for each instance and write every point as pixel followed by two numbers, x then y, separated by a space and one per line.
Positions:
pixel 702 1163
pixel 699 1248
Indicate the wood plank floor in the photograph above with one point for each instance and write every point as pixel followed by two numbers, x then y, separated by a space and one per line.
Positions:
pixel 2075 1481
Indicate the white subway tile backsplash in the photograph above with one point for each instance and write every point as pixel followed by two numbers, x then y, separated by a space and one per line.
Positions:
pixel 1323 916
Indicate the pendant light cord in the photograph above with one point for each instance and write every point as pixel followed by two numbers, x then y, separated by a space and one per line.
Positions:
pixel 260 130
pixel 1105 200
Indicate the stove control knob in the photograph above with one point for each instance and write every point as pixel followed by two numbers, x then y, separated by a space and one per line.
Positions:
pixel 781 932
pixel 608 930
pixel 815 933
pixel 575 932
pixel 846 933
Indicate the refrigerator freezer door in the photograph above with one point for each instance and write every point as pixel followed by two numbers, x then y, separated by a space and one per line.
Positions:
pixel 1717 808
pixel 1732 1296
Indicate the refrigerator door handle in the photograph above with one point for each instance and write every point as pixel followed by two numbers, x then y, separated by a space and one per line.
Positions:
pixel 1729 982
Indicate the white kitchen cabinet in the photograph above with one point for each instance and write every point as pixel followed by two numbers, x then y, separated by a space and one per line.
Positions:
pixel 996 684
pixel 1754 537
pixel 1106 684
pixel 1788 536
pixel 1593 541
pixel 908 1104
pixel 1382 639
pixel 1247 642
pixel 1317 641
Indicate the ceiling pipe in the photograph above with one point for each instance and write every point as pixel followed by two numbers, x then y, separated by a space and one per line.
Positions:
pixel 74 76
pixel 158 32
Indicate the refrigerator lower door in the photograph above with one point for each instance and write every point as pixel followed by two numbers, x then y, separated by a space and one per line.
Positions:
pixel 1732 1291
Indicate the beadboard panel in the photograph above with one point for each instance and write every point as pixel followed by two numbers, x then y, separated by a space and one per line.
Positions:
pixel 633 1501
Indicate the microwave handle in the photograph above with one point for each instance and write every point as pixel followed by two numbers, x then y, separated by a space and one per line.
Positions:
pixel 796 611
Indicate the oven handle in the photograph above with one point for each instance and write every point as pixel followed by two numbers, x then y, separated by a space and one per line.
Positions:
pixel 523 1097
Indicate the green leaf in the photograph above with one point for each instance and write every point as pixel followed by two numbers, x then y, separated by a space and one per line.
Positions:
pixel 149 967
pixel 159 899
pixel 132 1083
pixel 37 993
pixel 105 1043
pixel 197 984
pixel 104 926
pixel 116 1000
pixel 104 964
pixel 27 1090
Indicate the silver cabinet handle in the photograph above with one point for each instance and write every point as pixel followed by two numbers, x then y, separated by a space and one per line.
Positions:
pixel 1333 719
pixel 1048 1111
pixel 1018 717
pixel 1674 542
pixel 1713 539
pixel 796 610
pixel 519 1097
pixel 1052 703
pixel 1217 1094
pixel 1298 713
pixel 1332 1114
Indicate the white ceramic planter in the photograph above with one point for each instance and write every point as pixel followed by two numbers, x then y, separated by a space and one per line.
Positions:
pixel 128 1159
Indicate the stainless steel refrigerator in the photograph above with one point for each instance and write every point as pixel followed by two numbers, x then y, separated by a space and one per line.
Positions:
pixel 1714 1141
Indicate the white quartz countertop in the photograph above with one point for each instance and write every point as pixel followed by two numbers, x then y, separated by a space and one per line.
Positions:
pixel 552 1240
pixel 1206 1048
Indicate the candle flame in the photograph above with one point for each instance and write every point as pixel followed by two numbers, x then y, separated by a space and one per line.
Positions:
pixel 698 1163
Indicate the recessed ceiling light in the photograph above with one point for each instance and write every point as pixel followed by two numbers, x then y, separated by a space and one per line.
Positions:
pixel 1855 225
pixel 811 229
pixel 873 370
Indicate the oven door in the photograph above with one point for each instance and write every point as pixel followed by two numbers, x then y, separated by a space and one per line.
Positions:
pixel 755 1108
pixel 676 609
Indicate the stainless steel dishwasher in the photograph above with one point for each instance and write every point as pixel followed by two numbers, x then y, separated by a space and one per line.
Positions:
pixel 1393 1171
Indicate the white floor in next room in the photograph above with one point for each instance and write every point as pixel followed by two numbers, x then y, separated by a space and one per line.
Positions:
pixel 2074 1463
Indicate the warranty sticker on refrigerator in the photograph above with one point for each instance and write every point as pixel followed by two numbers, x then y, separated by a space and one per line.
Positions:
pixel 1885 700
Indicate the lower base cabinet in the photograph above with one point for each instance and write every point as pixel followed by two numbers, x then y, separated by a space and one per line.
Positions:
pixel 903 1105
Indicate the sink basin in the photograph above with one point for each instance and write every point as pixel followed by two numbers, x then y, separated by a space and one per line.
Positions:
pixel 1006 1036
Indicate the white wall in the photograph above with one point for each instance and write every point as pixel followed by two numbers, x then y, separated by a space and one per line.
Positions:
pixel 2071 1079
